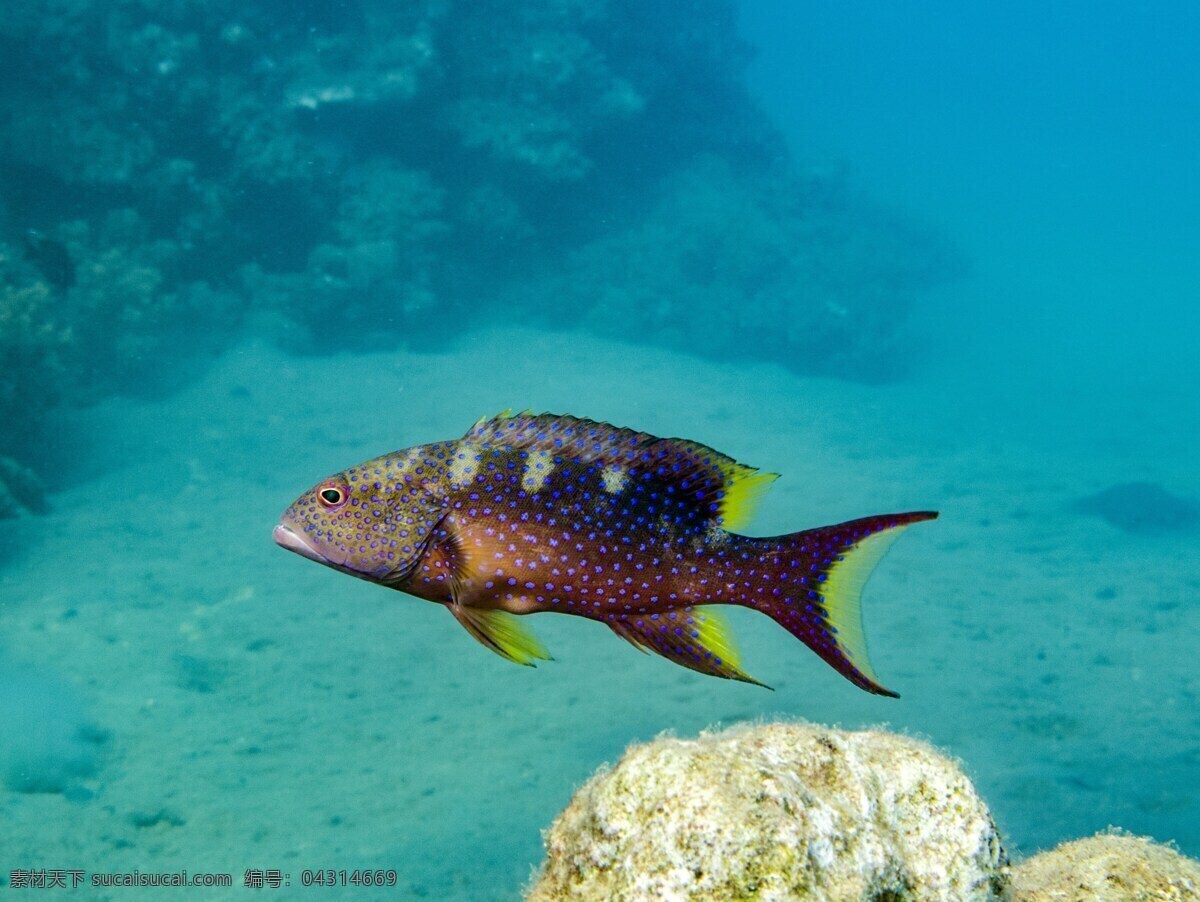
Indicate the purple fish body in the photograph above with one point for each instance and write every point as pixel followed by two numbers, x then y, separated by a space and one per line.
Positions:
pixel 528 514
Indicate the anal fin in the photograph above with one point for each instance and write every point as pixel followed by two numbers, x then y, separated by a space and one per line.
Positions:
pixel 697 638
pixel 503 633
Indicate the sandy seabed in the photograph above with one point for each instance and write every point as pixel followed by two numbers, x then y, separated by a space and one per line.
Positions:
pixel 197 698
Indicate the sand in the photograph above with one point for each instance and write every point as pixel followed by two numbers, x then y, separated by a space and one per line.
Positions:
pixel 187 695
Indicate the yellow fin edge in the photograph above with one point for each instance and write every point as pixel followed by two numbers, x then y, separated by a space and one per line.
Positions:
pixel 717 636
pixel 744 489
pixel 843 595
pixel 503 633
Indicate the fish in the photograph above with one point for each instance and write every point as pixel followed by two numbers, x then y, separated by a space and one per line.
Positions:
pixel 534 513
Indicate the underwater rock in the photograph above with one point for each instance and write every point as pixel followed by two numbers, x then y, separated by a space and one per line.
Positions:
pixel 777 811
pixel 21 492
pixel 1141 507
pixel 33 338
pixel 831 299
pixel 537 87
pixel 395 167
pixel 1107 866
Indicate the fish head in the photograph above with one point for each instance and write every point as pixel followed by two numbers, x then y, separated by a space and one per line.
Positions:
pixel 372 521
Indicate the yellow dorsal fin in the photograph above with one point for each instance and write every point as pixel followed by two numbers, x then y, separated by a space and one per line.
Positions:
pixel 744 489
pixel 505 414
pixel 503 633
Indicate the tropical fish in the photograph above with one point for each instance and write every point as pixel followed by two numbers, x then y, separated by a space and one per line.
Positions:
pixel 533 513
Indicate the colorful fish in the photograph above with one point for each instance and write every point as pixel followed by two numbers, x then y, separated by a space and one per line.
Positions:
pixel 529 513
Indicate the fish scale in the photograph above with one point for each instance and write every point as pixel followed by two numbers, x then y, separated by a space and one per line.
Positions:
pixel 552 513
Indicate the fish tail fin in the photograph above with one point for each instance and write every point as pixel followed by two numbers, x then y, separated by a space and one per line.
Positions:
pixel 819 575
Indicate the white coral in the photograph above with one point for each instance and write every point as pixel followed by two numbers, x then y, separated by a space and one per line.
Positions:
pixel 779 811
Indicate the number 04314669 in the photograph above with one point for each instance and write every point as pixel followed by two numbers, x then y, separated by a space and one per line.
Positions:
pixel 332 877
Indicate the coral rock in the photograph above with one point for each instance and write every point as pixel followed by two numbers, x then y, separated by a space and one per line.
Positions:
pixel 21 492
pixel 1107 866
pixel 778 811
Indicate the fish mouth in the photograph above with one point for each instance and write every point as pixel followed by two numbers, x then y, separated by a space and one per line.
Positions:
pixel 296 541
pixel 286 537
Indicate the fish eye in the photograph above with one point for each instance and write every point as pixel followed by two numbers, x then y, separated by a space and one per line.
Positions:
pixel 331 496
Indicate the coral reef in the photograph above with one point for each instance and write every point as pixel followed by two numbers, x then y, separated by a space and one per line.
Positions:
pixel 1107 866
pixel 88 310
pixel 392 166
pixel 34 335
pixel 821 283
pixel 174 174
pixel 778 811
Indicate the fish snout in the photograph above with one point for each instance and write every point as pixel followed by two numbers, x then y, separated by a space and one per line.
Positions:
pixel 288 538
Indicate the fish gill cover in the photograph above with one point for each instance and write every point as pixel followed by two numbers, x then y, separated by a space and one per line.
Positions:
pixel 176 174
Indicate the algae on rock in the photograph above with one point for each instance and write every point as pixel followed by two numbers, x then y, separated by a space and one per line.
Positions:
pixel 778 811
pixel 1107 866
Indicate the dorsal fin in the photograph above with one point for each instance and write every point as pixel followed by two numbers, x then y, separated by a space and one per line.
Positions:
pixel 718 486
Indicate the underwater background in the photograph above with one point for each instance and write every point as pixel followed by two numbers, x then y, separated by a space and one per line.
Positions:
pixel 909 256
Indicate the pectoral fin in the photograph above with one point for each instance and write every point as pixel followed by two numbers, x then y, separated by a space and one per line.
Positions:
pixel 503 633
pixel 697 638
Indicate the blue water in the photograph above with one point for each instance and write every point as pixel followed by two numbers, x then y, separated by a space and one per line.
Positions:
pixel 1057 143
pixel 976 293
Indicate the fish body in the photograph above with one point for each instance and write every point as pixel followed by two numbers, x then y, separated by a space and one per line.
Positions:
pixel 536 513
